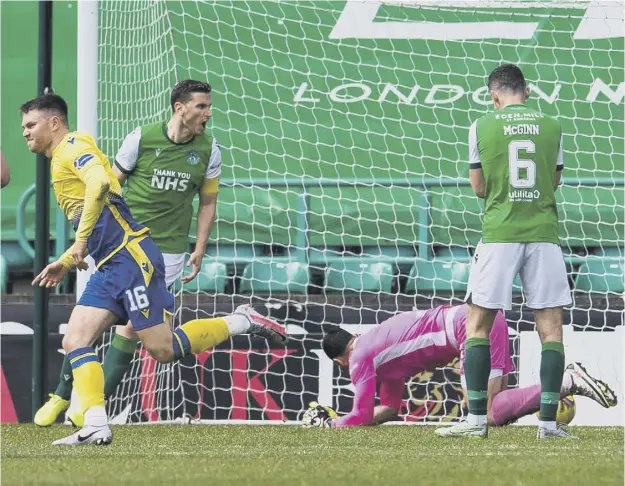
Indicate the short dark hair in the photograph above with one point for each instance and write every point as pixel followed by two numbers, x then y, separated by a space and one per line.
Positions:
pixel 47 102
pixel 184 89
pixel 507 77
pixel 335 342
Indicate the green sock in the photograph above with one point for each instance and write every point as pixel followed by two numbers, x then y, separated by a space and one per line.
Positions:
pixel 66 381
pixel 476 372
pixel 116 362
pixel 551 371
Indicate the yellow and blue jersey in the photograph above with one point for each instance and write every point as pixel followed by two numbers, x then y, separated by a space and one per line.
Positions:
pixel 72 157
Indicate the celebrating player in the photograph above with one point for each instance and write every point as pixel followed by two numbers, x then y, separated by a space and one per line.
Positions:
pixel 164 165
pixel 515 166
pixel 416 341
pixel 129 283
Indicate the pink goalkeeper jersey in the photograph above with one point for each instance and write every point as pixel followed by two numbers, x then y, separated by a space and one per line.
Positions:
pixel 409 343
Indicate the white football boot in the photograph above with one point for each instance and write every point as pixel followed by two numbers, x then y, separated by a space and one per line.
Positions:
pixel 586 386
pixel 463 429
pixel 559 433
pixel 88 435
pixel 263 326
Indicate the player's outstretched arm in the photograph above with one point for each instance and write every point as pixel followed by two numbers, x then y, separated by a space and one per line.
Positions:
pixel 51 276
pixel 364 398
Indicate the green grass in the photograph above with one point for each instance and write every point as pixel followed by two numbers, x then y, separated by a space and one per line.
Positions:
pixel 218 455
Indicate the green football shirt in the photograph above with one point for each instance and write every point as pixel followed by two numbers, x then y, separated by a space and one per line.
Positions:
pixel 519 151
pixel 163 178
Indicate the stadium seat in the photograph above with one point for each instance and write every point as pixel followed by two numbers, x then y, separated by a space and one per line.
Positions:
pixel 438 276
pixel 390 252
pixel 401 255
pixel 212 278
pixel 358 275
pixel 4 275
pixel 601 275
pixel 456 253
pixel 615 252
pixel 233 253
pixel 362 216
pixel 15 257
pixel 275 277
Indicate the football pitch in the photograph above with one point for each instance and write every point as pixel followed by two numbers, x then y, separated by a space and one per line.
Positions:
pixel 283 455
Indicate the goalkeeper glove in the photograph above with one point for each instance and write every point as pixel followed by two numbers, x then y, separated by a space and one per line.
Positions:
pixel 318 416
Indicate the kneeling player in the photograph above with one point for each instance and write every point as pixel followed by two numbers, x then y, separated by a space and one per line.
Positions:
pixel 129 283
pixel 416 341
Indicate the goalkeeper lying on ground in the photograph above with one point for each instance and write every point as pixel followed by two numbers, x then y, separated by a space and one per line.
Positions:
pixel 417 341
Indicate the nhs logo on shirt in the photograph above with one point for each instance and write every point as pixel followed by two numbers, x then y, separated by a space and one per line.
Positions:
pixel 81 161
pixel 170 180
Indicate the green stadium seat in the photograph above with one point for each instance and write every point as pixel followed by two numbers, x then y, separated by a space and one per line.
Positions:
pixel 614 252
pixel 232 254
pixel 15 257
pixel 438 276
pixel 387 254
pixel 601 275
pixel 275 277
pixel 390 252
pixel 455 253
pixel 363 216
pixel 212 278
pixel 4 275
pixel 358 275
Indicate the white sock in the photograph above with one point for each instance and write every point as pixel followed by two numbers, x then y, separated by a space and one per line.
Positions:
pixel 96 417
pixel 476 419
pixel 237 324
pixel 567 383
pixel 547 425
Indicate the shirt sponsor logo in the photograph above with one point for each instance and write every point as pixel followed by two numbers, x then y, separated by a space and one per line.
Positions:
pixel 170 180
pixel 524 115
pixel 524 195
pixel 81 161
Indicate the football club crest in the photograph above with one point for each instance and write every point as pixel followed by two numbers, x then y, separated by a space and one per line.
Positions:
pixel 193 158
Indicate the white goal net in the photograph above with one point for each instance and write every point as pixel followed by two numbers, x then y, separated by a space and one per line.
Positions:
pixel 344 195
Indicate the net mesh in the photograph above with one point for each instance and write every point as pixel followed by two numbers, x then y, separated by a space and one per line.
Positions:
pixel 344 194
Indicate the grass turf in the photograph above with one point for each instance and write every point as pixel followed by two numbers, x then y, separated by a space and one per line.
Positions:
pixel 280 455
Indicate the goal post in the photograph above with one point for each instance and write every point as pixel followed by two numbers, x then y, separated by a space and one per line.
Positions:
pixel 344 195
pixel 87 93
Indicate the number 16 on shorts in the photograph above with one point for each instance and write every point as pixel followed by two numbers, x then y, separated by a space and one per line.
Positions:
pixel 137 298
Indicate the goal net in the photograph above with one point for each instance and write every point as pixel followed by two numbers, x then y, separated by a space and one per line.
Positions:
pixel 344 195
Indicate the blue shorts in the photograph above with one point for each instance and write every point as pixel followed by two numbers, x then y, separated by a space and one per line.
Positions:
pixel 132 285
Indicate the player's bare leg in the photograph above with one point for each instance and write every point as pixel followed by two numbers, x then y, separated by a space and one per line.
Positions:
pixel 549 327
pixel 85 325
pixel 199 335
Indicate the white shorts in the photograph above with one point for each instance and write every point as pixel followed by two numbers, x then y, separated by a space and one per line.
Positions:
pixel 540 266
pixel 174 265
